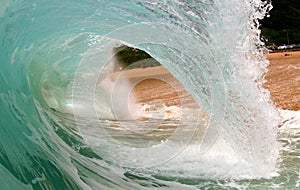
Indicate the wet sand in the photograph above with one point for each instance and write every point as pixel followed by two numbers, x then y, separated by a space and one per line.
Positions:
pixel 282 79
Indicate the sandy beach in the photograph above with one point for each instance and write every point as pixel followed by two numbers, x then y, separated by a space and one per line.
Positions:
pixel 282 79
pixel 157 83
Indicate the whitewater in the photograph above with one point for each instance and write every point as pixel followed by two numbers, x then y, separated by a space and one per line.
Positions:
pixel 69 119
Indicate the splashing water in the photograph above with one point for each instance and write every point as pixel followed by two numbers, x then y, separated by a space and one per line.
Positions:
pixel 71 117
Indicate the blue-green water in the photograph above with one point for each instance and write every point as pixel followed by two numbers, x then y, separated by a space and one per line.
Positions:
pixel 62 123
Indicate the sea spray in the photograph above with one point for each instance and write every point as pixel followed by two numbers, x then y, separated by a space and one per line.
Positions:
pixel 243 67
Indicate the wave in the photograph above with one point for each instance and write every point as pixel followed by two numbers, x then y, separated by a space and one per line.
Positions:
pixel 66 124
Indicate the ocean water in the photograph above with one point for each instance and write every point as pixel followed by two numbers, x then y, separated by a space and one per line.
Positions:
pixel 68 121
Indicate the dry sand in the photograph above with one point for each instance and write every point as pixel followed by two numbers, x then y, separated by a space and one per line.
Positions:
pixel 283 79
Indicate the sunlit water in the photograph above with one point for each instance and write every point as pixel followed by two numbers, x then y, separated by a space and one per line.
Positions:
pixel 68 120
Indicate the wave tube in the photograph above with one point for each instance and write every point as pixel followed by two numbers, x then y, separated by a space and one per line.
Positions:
pixel 58 104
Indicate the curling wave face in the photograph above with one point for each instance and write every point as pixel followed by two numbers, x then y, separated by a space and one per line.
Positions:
pixel 72 118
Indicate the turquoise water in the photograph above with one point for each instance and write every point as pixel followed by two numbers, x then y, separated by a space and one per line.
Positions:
pixel 65 126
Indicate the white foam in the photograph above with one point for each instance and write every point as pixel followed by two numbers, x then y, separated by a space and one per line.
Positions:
pixel 163 112
pixel 290 119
